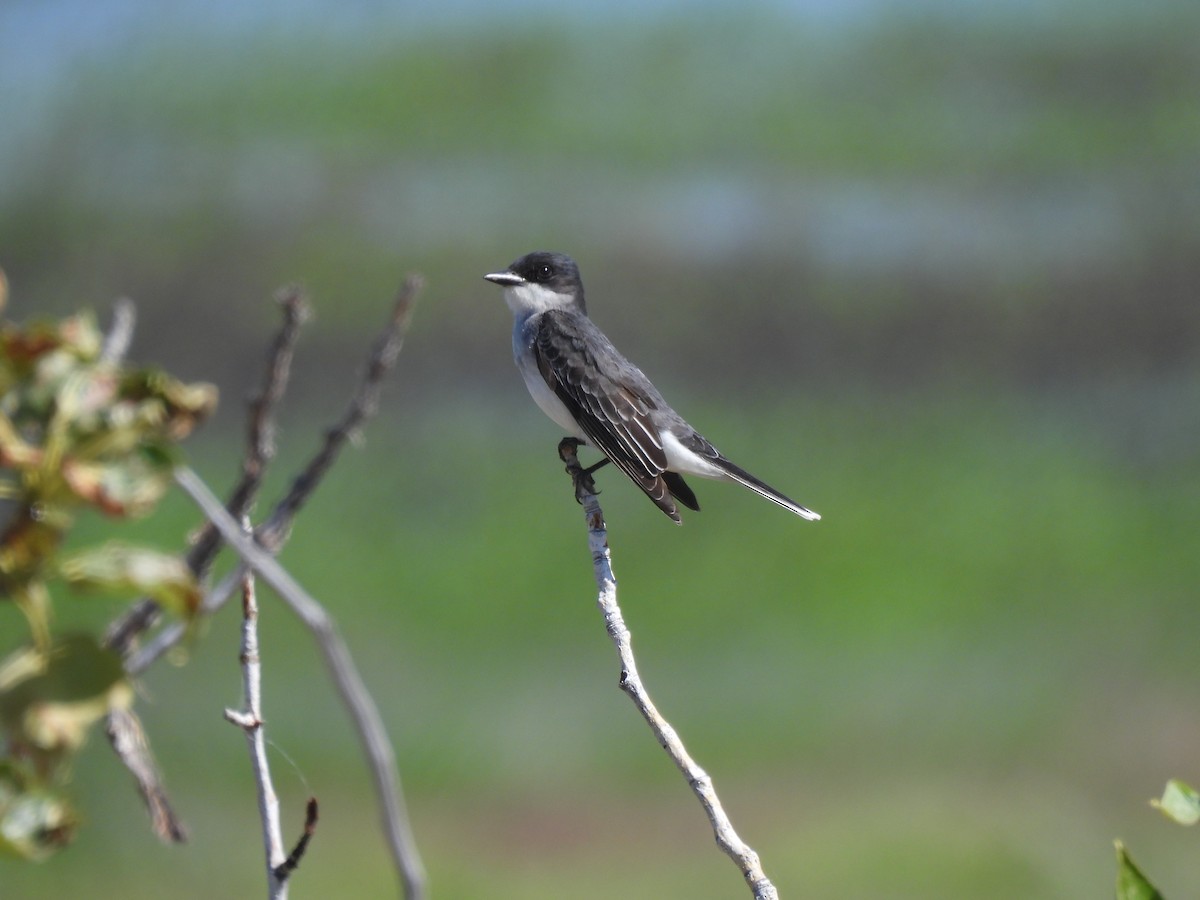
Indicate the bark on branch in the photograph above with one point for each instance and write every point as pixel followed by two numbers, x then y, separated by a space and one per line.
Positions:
pixel 363 712
pixel 631 683
pixel 257 554
pixel 250 720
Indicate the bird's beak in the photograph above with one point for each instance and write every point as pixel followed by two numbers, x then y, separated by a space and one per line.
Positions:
pixel 505 279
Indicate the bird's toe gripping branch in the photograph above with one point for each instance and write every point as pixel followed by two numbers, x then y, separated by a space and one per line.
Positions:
pixel 581 477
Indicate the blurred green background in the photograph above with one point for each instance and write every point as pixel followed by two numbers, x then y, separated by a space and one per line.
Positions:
pixel 930 269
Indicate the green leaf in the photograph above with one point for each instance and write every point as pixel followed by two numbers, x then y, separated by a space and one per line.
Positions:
pixel 28 541
pixel 126 569
pixel 49 699
pixel 37 359
pixel 24 345
pixel 1179 802
pixel 34 821
pixel 33 599
pixel 174 406
pixel 130 485
pixel 1131 883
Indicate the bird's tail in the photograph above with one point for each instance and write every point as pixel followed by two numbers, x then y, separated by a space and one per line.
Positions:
pixel 762 488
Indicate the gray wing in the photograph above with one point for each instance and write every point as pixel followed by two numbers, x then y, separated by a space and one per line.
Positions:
pixel 611 400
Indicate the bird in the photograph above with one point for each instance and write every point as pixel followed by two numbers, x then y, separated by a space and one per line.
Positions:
pixel 583 383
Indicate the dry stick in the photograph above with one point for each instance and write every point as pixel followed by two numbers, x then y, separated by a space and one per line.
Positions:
pixel 727 839
pixel 122 726
pixel 363 405
pixel 216 597
pixel 251 723
pixel 260 450
pixel 363 712
pixel 260 425
pixel 279 867
pixel 272 533
pixel 284 870
pixel 120 333
pixel 128 740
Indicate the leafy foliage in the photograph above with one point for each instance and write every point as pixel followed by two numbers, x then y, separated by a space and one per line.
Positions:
pixel 78 431
pixel 1131 883
pixel 1179 802
pixel 34 822
pixel 50 698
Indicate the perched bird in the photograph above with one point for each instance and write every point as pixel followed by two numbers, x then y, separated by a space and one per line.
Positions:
pixel 578 378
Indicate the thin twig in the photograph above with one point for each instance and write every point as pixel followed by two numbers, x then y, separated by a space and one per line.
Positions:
pixel 631 683
pixel 260 425
pixel 128 740
pixel 122 726
pixel 273 532
pixel 363 712
pixel 123 632
pixel 251 722
pixel 285 869
pixel 260 451
pixel 120 332
pixel 171 634
pixel 362 406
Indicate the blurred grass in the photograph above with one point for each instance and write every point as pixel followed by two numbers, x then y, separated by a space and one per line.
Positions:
pixel 1013 99
pixel 921 199
pixel 243 164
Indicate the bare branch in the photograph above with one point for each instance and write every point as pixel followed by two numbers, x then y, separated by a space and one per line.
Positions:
pixel 120 333
pixel 631 683
pixel 251 722
pixel 363 712
pixel 273 533
pixel 129 742
pixel 284 871
pixel 260 425
pixel 363 405
pixel 259 452
pixel 217 596
pixel 122 632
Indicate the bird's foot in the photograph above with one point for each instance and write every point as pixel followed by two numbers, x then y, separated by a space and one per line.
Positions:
pixel 581 477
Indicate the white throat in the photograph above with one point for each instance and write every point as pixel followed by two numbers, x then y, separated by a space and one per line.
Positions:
pixel 529 299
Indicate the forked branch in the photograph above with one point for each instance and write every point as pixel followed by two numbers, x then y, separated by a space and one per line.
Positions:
pixel 363 712
pixel 256 553
pixel 250 720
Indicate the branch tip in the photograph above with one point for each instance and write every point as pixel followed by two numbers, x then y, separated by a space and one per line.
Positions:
pixel 630 682
pixel 129 742
pixel 284 870
pixel 257 554
pixel 120 333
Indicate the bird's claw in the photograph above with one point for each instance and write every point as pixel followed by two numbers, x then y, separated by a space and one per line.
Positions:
pixel 580 477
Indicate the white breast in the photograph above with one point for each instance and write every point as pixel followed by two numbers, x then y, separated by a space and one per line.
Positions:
pixel 543 396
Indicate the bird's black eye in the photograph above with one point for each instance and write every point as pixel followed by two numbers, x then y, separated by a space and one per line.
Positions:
pixel 544 273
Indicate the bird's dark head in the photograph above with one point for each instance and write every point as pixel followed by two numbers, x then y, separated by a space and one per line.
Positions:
pixel 539 281
pixel 557 271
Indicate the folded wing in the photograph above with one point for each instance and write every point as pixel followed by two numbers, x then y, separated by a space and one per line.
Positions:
pixel 611 400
